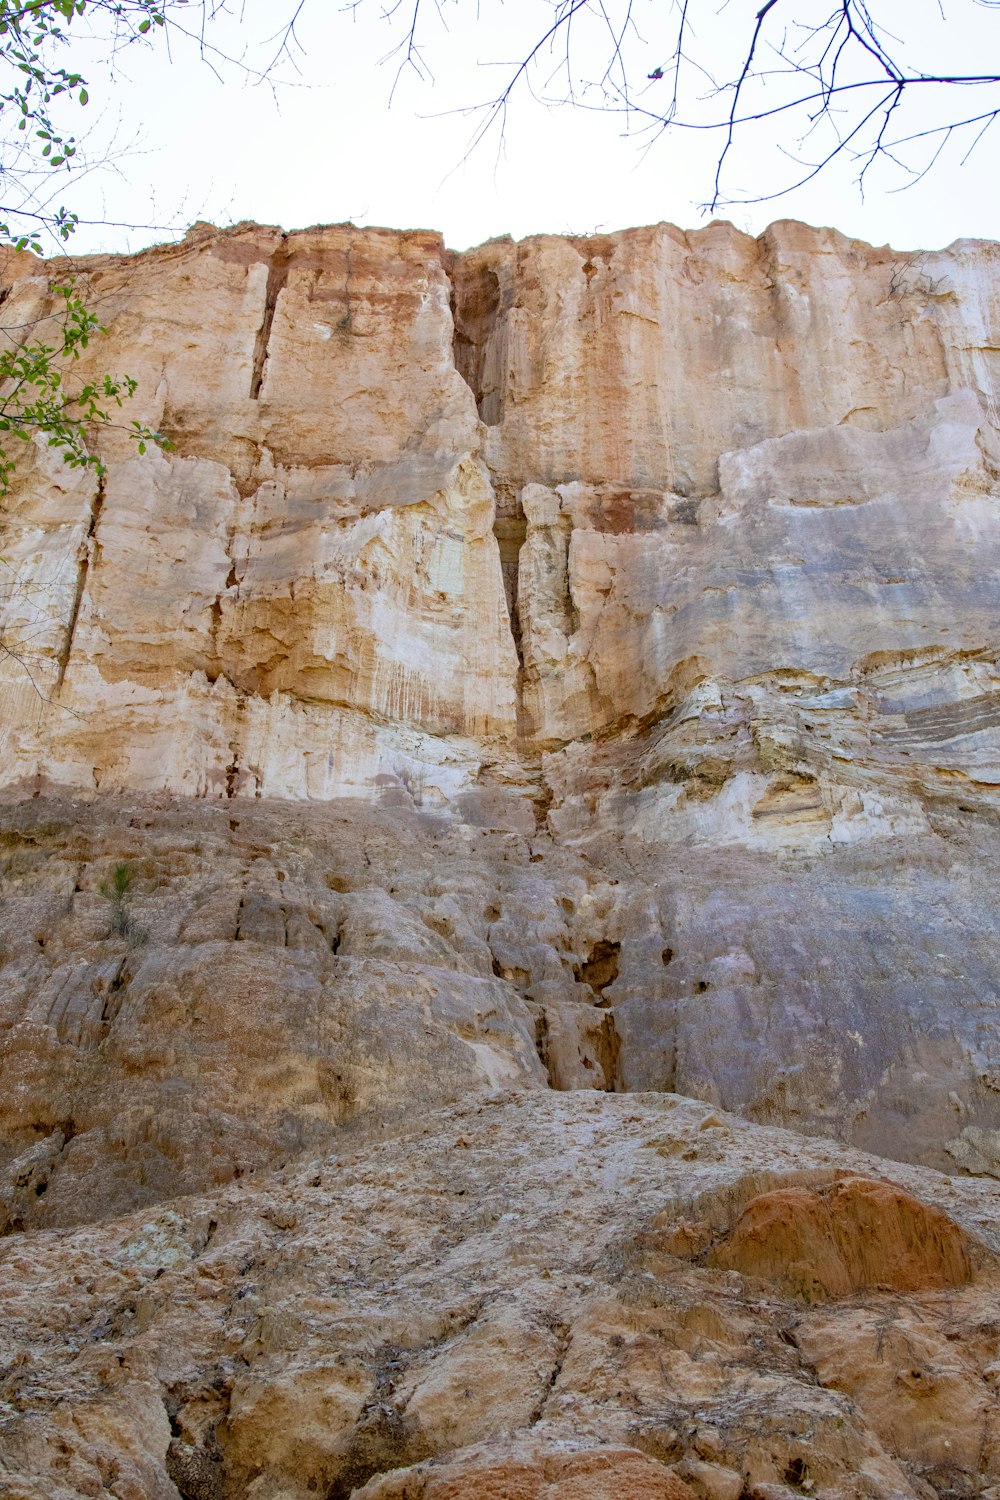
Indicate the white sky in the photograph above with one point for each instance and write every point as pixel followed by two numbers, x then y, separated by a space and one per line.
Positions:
pixel 331 146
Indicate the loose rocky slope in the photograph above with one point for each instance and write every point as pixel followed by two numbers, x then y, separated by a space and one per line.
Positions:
pixel 539 684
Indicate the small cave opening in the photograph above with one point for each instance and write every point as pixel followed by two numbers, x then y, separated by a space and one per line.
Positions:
pixel 519 978
pixel 600 968
pixel 797 1474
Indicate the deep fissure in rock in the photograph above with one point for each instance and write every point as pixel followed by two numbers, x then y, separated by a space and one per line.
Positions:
pixel 83 568
pixel 277 276
pixel 510 528
pixel 476 307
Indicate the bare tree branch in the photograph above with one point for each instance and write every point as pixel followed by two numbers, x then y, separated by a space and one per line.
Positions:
pixel 804 66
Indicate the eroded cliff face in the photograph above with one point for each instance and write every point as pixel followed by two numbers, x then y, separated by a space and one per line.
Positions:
pixel 668 551
pixel 572 666
pixel 699 463
pixel 304 596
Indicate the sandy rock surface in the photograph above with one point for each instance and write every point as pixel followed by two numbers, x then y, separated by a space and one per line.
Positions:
pixel 536 1294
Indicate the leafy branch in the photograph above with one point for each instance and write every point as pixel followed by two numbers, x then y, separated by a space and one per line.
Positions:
pixel 37 395
pixel 36 398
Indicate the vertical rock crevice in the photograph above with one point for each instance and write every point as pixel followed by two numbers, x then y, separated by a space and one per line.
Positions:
pixel 277 276
pixel 345 324
pixel 608 1048
pixel 86 552
pixel 510 528
pixel 480 302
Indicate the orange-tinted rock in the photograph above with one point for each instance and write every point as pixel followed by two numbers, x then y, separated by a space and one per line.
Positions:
pixel 833 1242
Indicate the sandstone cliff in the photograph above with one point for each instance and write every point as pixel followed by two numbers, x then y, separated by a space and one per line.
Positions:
pixel 568 665
pixel 700 463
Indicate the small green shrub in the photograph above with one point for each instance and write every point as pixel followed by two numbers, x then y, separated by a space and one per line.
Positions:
pixel 118 890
